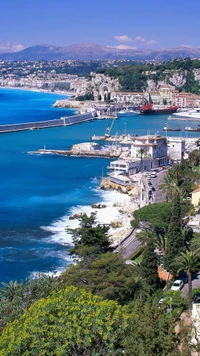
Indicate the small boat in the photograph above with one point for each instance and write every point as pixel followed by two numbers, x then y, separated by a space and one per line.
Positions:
pixel 128 112
pixel 167 128
pixel 192 129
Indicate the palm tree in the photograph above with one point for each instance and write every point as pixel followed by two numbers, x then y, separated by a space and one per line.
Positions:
pixel 169 186
pixel 8 291
pixel 189 262
pixel 160 240
pixel 141 153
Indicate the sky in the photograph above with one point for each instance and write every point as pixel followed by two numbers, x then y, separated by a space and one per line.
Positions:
pixel 121 23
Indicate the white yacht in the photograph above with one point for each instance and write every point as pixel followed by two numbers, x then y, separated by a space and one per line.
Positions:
pixel 127 112
pixel 190 115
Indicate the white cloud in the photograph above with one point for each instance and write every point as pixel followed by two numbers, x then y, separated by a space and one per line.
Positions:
pixel 144 41
pixel 187 46
pixel 123 39
pixel 151 42
pixel 140 39
pixel 124 47
pixel 11 47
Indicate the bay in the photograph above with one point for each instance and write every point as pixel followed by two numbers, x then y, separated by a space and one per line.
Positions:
pixel 38 193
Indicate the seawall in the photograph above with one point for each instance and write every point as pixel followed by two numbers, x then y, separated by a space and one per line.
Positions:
pixel 63 121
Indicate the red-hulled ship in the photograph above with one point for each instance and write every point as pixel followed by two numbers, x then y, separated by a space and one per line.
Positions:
pixel 148 109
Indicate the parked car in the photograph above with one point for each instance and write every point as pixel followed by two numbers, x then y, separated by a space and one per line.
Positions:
pixel 153 175
pixel 177 285
pixel 183 277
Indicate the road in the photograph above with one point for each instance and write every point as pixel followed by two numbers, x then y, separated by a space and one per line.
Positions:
pixel 129 245
pixel 195 284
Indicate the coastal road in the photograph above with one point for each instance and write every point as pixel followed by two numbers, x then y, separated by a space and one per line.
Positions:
pixel 130 244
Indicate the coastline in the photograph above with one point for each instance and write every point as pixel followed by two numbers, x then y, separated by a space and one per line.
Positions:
pixel 45 91
pixel 117 213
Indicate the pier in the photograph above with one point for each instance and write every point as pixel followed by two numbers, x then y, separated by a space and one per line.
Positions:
pixel 63 121
pixel 81 153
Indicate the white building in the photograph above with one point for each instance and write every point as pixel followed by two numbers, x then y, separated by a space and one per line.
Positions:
pixel 155 155
pixel 127 167
pixel 155 147
pixel 133 98
pixel 175 148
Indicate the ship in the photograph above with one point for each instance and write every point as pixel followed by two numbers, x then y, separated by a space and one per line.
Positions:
pixel 149 109
pixel 190 115
pixel 127 112
pixel 192 129
pixel 167 128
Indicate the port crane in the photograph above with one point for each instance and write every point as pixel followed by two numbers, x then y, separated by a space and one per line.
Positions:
pixel 108 129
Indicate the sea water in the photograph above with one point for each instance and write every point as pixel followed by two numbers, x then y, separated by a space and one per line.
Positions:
pixel 38 193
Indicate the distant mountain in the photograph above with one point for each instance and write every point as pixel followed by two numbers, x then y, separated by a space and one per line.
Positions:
pixel 92 51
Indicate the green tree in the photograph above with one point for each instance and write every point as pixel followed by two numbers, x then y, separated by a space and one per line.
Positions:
pixel 175 238
pixel 169 186
pixel 151 333
pixel 8 291
pixel 153 216
pixel 141 152
pixel 189 262
pixel 149 266
pixel 69 323
pixel 12 305
pixel 90 238
pixel 107 276
pixel 194 157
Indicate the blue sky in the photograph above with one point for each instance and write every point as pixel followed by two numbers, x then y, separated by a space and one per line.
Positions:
pixel 135 23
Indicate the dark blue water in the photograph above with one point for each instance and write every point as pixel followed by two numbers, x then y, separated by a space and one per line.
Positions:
pixel 38 193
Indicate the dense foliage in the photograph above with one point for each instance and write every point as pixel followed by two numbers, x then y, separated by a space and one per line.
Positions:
pixel 107 276
pixel 16 297
pixel 90 238
pixel 69 322
pixel 134 76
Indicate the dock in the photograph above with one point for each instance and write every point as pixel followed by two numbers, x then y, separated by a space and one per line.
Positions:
pixel 63 121
pixel 82 153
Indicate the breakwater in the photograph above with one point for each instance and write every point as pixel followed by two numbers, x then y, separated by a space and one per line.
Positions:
pixel 82 153
pixel 63 121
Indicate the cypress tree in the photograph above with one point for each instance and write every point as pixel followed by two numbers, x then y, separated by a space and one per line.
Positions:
pixel 175 240
pixel 149 266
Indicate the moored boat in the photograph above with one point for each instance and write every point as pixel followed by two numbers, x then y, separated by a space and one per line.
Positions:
pixel 128 112
pixel 167 128
pixel 149 109
pixel 192 129
pixel 190 115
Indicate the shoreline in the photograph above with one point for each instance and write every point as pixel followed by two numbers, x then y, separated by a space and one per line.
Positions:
pixel 45 91
pixel 117 212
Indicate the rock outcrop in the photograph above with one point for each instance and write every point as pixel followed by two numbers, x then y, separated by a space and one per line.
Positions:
pixel 65 103
pixel 107 184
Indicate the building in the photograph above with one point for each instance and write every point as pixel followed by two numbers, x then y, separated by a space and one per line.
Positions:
pixel 165 92
pixel 130 98
pixel 154 97
pixel 127 167
pixel 154 155
pixel 196 196
pixel 175 148
pixel 155 148
pixel 187 100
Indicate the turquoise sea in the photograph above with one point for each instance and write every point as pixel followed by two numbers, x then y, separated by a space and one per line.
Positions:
pixel 38 193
